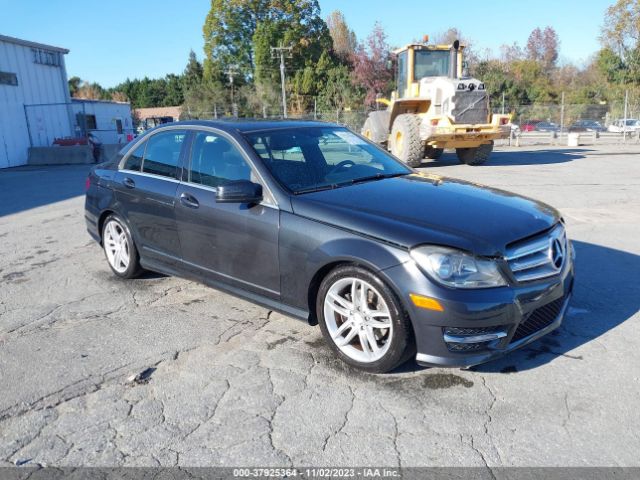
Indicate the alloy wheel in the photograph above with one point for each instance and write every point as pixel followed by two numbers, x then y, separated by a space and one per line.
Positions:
pixel 116 246
pixel 358 319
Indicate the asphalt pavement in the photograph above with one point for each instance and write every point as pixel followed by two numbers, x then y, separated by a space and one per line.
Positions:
pixel 161 371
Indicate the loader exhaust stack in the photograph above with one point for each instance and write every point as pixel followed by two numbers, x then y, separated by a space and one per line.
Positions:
pixel 453 62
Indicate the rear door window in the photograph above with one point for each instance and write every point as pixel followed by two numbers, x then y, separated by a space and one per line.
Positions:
pixel 162 154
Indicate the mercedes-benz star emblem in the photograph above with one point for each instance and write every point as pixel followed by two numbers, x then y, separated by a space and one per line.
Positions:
pixel 557 253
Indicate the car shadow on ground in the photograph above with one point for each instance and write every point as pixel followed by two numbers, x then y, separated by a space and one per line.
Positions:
pixel 23 188
pixel 606 294
pixel 515 158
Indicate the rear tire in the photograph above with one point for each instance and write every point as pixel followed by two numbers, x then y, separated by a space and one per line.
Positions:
pixel 355 308
pixel 367 129
pixel 432 152
pixel 405 139
pixel 376 126
pixel 119 248
pixel 475 156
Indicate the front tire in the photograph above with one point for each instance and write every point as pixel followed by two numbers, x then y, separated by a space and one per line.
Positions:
pixel 475 156
pixel 119 248
pixel 363 321
pixel 405 139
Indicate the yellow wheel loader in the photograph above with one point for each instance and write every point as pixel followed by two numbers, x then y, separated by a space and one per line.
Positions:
pixel 436 107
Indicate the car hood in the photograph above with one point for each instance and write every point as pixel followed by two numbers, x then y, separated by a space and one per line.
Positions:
pixel 421 208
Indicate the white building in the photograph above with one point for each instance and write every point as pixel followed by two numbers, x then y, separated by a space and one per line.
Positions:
pixel 36 108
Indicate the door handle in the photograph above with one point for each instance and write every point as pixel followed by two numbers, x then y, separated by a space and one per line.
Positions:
pixel 128 182
pixel 189 201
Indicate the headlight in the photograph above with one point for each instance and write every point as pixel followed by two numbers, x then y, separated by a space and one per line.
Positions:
pixel 454 268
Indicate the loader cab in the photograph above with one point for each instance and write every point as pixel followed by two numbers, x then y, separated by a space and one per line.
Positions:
pixel 418 61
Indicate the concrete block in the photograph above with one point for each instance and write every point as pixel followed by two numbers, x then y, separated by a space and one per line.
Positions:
pixel 76 154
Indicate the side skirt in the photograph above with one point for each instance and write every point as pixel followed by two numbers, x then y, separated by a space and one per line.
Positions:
pixel 261 300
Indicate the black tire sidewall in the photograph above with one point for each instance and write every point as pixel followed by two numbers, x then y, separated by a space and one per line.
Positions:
pixel 133 270
pixel 412 147
pixel 402 342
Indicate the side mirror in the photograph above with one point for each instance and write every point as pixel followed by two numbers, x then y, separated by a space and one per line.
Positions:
pixel 239 191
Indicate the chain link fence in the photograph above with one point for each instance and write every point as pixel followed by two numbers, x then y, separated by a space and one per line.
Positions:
pixel 548 124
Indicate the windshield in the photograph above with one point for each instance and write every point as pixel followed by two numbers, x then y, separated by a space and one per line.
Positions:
pixel 319 158
pixel 431 63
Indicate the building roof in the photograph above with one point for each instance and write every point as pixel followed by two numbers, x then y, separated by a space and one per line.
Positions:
pixel 96 100
pixel 27 43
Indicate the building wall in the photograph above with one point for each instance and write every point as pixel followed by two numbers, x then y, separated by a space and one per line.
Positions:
pixel 38 83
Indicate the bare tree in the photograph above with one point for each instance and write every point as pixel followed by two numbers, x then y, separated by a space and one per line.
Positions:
pixel 542 47
pixel 344 39
pixel 621 30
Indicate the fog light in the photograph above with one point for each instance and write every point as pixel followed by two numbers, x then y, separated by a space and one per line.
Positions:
pixel 426 302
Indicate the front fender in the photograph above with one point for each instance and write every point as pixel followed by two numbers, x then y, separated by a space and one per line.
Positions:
pixel 309 249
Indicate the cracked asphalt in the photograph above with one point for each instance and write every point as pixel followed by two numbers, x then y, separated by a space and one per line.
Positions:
pixel 223 382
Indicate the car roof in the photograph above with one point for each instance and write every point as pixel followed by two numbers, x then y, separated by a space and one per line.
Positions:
pixel 246 125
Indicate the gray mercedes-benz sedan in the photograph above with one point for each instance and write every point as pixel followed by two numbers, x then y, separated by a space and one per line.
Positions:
pixel 314 221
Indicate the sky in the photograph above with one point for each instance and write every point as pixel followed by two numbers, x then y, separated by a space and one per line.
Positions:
pixel 110 41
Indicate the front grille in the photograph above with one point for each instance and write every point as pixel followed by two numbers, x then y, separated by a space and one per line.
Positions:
pixel 471 106
pixel 540 318
pixel 539 257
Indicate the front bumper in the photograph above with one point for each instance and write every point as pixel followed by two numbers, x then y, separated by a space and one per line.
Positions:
pixel 447 134
pixel 504 310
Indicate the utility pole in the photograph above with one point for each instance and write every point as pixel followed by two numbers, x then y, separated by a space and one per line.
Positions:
pixel 275 51
pixel 624 122
pixel 562 115
pixel 231 71
pixel 502 103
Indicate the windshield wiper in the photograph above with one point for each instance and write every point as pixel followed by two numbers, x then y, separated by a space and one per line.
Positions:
pixel 331 186
pixel 315 189
pixel 377 176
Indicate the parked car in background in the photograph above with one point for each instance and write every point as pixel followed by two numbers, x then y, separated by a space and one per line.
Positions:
pixel 529 126
pixel 315 221
pixel 629 125
pixel 587 126
pixel 547 127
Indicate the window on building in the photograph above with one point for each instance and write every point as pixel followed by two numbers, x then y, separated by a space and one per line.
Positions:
pixel 163 152
pixel 46 57
pixel 86 122
pixel 8 78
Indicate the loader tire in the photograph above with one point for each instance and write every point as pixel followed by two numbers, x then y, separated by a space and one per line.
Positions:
pixel 376 126
pixel 433 153
pixel 405 139
pixel 475 156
